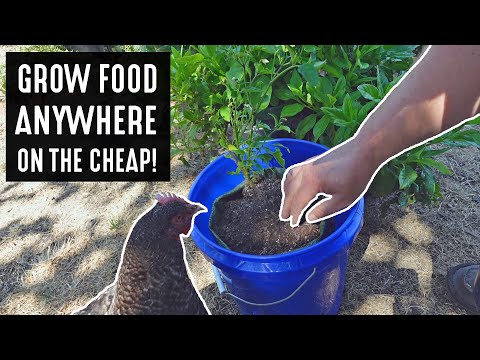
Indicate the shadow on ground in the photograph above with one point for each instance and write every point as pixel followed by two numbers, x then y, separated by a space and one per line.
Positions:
pixel 394 268
pixel 394 265
pixel 45 270
pixel 57 249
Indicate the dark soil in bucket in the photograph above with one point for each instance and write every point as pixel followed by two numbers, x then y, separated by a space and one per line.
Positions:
pixel 248 222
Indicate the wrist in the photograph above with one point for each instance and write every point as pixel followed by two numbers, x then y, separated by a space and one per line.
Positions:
pixel 367 151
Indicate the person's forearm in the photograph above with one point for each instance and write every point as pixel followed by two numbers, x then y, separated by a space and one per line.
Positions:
pixel 442 90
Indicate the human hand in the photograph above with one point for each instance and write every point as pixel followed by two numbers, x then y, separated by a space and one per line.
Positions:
pixel 429 99
pixel 342 175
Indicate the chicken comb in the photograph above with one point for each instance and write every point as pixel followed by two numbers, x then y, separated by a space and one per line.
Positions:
pixel 166 197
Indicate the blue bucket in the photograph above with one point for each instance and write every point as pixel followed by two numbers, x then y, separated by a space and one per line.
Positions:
pixel 306 281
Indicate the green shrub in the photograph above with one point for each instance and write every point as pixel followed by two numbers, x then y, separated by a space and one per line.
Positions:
pixel 340 85
pixel 333 87
pixel 412 173
pixel 192 89
pixel 217 93
pixel 44 48
pixel 356 78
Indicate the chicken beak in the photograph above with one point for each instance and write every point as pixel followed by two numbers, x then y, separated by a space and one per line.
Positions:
pixel 198 208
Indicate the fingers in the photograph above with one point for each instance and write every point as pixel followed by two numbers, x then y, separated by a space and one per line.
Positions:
pixel 295 197
pixel 287 197
pixel 324 208
pixel 301 201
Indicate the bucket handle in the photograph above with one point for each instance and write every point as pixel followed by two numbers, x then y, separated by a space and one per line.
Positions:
pixel 223 289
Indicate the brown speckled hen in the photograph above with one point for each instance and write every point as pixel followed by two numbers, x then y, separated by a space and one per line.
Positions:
pixel 152 278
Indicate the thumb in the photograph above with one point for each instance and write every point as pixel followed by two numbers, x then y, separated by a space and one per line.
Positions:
pixel 324 208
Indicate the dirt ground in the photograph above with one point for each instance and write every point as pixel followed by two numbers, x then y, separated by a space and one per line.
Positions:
pixel 60 242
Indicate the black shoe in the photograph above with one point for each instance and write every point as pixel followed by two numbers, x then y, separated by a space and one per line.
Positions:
pixel 461 279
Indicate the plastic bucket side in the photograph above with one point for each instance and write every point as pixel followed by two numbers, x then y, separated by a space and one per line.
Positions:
pixel 316 288
pixel 265 279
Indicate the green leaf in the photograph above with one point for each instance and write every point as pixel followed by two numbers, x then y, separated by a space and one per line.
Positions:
pixel 265 157
pixel 332 70
pixel 279 157
pixel 284 128
pixel 309 48
pixel 471 136
pixel 438 194
pixel 365 109
pixel 368 48
pixel 264 68
pixel 340 87
pixel 262 125
pixel 190 59
pixel 283 147
pixel 382 80
pixel 414 154
pixel 320 127
pixel 266 99
pixel 319 64
pixel 275 118
pixel 364 80
pixel 343 123
pixel 305 126
pixel 174 152
pixel 384 182
pixel 415 187
pixel 261 86
pixel 428 180
pixel 341 135
pixel 355 95
pixel 184 161
pixel 291 110
pixel 437 165
pixel 345 57
pixel 284 94
pixel 309 99
pixel 475 121
pixel 369 92
pixel 392 84
pixel 270 49
pixel 334 113
pixel 296 81
pixel 297 92
pixel 232 147
pixel 348 109
pixel 324 86
pixel 363 65
pixel 340 63
pixel 406 177
pixel 464 138
pixel 209 50
pixel 432 153
pixel 226 113
pixel 460 143
pixel 332 99
pixel 310 74
pixel 398 52
pixel 358 53
pixel 235 73
pixel 403 199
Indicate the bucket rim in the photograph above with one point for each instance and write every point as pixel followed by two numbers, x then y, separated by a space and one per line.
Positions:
pixel 263 258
